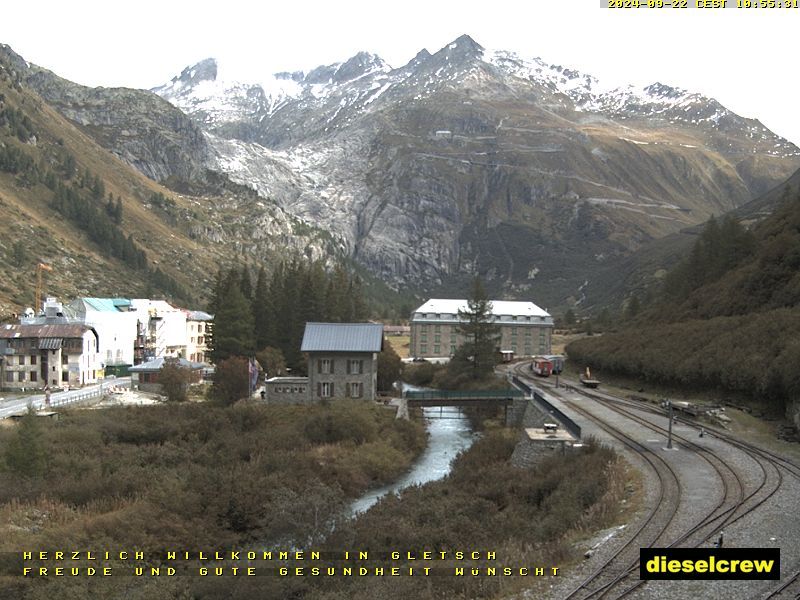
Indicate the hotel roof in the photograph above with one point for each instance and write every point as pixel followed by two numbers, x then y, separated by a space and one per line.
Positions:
pixel 499 307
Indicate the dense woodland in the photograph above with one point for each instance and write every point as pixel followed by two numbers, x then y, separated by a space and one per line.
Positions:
pixel 272 311
pixel 728 318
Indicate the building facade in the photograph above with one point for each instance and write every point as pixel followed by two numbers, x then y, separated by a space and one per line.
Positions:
pixel 287 390
pixel 162 329
pixel 343 359
pixel 525 329
pixel 57 355
pixel 144 376
pixel 115 320
pixel 342 363
pixel 198 327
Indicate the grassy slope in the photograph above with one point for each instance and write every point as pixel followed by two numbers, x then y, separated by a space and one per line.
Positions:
pixel 614 281
pixel 738 334
pixel 80 267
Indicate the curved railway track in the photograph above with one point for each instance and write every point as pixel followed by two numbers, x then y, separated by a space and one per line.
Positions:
pixel 617 577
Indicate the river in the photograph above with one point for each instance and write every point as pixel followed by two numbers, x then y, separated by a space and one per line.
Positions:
pixel 446 438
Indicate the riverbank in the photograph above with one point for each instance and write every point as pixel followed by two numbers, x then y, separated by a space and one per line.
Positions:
pixel 189 476
pixel 528 519
pixel 448 436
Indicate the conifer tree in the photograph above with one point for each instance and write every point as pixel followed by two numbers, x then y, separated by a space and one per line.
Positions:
pixel 233 326
pixel 246 283
pixel 479 351
pixel 25 453
pixel 262 309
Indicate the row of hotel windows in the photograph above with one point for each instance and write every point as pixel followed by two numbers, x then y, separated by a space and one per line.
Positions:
pixel 437 336
pixel 75 344
pixel 33 360
pixel 34 376
pixel 437 349
pixel 353 366
pixel 497 317
pixel 293 389
pixel 438 328
pixel 325 389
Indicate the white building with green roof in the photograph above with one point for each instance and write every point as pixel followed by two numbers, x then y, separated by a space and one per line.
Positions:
pixel 115 321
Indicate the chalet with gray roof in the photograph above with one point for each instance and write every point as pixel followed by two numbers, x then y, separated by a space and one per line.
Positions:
pixel 342 363
pixel 343 359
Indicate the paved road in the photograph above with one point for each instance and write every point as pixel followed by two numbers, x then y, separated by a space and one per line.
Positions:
pixel 18 405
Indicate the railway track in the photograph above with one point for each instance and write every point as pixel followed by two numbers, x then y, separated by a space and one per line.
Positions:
pixel 617 577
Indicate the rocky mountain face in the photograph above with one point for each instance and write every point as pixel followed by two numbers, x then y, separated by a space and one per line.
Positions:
pixel 466 160
pixel 61 179
pixel 472 159
pixel 140 128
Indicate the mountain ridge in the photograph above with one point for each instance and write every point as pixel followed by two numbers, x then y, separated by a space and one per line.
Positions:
pixel 459 162
pixel 479 139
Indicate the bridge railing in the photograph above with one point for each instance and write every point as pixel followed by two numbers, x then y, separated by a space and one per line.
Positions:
pixel 566 421
pixel 72 396
pixel 464 395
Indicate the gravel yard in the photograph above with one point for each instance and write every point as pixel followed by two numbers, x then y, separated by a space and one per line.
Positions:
pixel 762 520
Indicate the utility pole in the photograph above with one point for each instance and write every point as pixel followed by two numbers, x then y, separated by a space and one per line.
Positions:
pixel 668 404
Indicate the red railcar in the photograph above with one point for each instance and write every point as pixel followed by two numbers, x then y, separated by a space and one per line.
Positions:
pixel 541 366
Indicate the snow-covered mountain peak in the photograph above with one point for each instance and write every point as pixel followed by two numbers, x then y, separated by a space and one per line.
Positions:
pixel 205 70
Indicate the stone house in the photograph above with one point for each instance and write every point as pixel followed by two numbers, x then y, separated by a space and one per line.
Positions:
pixel 342 363
pixel 343 359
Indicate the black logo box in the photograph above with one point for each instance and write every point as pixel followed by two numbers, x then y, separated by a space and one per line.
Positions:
pixel 690 559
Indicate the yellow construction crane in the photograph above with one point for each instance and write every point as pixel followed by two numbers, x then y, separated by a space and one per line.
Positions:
pixel 39 269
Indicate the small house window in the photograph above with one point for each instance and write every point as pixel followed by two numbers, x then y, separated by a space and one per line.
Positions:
pixel 356 390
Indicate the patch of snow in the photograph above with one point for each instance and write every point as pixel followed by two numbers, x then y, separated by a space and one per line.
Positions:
pixel 377 94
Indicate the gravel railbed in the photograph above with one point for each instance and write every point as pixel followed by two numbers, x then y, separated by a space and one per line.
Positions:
pixel 773 524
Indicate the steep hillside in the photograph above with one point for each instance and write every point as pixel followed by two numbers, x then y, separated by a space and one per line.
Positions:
pixel 105 228
pixel 642 272
pixel 728 318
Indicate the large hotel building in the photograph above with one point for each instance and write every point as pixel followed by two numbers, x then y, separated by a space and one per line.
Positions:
pixel 525 329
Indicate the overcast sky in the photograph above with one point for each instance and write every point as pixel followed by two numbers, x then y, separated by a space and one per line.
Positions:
pixel 746 59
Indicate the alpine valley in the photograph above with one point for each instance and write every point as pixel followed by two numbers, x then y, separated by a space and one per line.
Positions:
pixel 465 161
